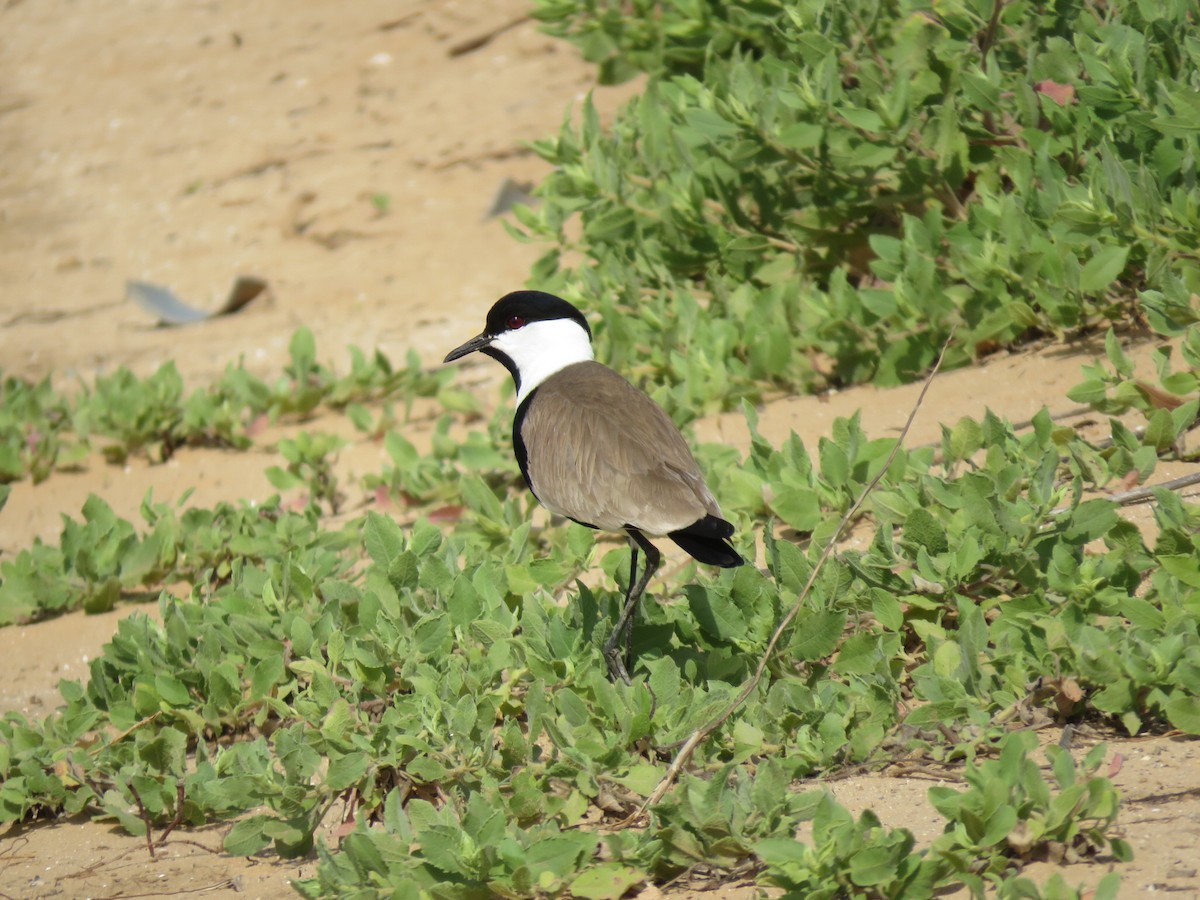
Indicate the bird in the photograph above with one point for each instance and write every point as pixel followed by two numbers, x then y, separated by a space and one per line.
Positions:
pixel 596 449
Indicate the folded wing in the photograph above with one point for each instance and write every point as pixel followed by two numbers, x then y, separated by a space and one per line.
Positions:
pixel 601 452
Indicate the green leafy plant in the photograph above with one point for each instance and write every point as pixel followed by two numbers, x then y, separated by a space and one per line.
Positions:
pixel 1170 408
pixel 1010 810
pixel 297 674
pixel 418 479
pixel 32 420
pixel 41 429
pixel 807 194
pixel 103 558
pixel 310 459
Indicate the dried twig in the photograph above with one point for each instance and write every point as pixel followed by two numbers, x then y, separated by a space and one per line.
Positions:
pixel 486 156
pixel 1142 494
pixel 47 316
pixel 145 816
pixel 233 883
pixel 1145 494
pixel 215 851
pixel 177 818
pixel 482 40
pixel 700 734
pixel 100 745
pixel 401 22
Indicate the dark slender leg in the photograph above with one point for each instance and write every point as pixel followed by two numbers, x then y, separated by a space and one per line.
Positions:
pixel 627 634
pixel 623 631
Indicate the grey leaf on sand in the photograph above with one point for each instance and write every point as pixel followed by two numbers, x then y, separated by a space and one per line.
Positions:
pixel 169 310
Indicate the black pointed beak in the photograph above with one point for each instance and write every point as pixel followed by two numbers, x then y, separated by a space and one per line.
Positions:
pixel 476 343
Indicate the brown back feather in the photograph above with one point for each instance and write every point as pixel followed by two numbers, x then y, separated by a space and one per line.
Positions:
pixel 600 451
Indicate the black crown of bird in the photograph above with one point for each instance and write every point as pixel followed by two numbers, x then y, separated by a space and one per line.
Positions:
pixel 594 448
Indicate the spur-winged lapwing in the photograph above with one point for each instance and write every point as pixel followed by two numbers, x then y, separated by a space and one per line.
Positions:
pixel 595 449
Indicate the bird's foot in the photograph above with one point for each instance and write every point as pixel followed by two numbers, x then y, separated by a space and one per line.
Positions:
pixel 615 655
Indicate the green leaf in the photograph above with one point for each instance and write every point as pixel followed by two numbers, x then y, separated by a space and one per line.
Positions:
pixel 872 865
pixel 921 529
pixel 404 571
pixel 1182 567
pixel 165 751
pixel 291 841
pixel 1089 392
pixel 282 479
pixel 338 721
pixel 1109 887
pixel 711 124
pixel 1183 711
pixel 783 853
pixel 1142 613
pixel 1102 269
pixel 965 438
pixel 248 836
pixel 835 467
pixel 815 634
pixel 103 597
pixel 383 539
pixel 887 609
pixel 799 507
pixel 794 569
pixel 426 769
pixel 268 673
pixel 642 778
pixel 858 655
pixel 1116 356
pixel 1091 519
pixel 346 771
pixel 606 881
pixel 861 118
pixel 560 854
pixel 1160 430
pixel 303 347
pixel 173 691
pixel 715 612
pixel 947 660
pixel 446 847
pixel 801 135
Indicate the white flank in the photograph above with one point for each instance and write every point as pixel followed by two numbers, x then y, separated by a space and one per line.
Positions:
pixel 542 348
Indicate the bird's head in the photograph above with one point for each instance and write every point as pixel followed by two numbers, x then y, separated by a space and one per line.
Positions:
pixel 534 335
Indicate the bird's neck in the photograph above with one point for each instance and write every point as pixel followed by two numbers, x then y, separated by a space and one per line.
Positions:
pixel 540 349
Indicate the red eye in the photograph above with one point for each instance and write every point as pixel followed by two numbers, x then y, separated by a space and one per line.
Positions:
pixel 516 322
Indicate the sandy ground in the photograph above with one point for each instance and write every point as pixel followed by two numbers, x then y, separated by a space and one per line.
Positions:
pixel 189 143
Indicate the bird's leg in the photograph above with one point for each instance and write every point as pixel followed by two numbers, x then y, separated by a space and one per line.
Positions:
pixel 627 632
pixel 615 657
pixel 623 631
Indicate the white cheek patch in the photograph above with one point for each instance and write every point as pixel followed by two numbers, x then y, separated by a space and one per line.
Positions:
pixel 542 348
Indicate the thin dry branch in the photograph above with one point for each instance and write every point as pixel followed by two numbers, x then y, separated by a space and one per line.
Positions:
pixel 702 733
pixel 115 739
pixel 482 40
pixel 233 884
pixel 145 817
pixel 1143 494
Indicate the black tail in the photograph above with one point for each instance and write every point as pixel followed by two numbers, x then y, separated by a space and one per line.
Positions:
pixel 708 541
